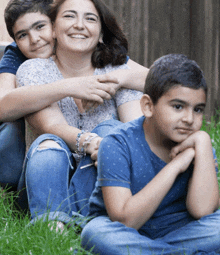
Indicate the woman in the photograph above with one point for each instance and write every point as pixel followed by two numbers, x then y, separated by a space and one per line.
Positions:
pixel 86 32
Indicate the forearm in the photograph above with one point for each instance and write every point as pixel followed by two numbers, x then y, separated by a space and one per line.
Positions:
pixel 138 209
pixel 29 99
pixel 203 191
pixel 133 78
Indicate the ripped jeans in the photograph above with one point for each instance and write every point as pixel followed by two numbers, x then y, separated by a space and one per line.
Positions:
pixel 50 192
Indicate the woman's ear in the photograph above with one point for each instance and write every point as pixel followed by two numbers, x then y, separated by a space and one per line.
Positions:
pixel 101 38
pixel 53 31
pixel 146 106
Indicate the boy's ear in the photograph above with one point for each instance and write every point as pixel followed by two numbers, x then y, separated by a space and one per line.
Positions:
pixel 146 106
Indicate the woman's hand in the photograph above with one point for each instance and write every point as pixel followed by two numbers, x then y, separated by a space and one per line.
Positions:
pixel 94 89
pixel 92 146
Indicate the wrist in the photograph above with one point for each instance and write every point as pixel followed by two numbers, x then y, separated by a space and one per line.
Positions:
pixel 83 140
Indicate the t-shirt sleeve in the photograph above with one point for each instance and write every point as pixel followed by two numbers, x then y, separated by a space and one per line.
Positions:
pixel 11 59
pixel 113 162
pixel 34 72
pixel 122 95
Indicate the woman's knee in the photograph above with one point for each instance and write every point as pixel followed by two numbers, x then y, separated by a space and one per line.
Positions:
pixel 105 127
pixel 48 155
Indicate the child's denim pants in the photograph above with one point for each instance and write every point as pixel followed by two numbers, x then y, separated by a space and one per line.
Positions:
pixel 113 238
pixel 12 152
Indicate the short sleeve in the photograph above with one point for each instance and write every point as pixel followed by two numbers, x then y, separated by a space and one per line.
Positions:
pixel 113 162
pixel 11 59
pixel 122 95
pixel 36 72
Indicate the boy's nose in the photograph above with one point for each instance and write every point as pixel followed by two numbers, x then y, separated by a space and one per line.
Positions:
pixel 34 38
pixel 188 117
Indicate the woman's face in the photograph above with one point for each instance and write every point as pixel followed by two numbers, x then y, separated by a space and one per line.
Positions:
pixel 77 27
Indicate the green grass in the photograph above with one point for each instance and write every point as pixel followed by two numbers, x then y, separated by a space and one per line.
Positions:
pixel 17 238
pixel 212 127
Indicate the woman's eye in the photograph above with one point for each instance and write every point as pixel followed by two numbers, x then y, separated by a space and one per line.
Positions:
pixel 91 18
pixel 69 16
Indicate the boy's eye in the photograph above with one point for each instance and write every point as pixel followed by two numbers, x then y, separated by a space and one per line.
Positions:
pixel 199 109
pixel 178 106
pixel 40 26
pixel 22 36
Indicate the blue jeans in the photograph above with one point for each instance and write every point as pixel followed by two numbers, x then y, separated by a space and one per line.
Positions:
pixel 12 152
pixel 113 238
pixel 46 174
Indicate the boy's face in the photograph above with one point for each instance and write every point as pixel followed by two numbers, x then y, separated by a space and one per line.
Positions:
pixel 179 113
pixel 33 35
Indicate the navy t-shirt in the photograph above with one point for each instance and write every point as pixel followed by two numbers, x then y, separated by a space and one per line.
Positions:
pixel 126 160
pixel 11 59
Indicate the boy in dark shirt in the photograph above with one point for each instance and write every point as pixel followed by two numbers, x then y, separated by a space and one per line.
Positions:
pixel 157 190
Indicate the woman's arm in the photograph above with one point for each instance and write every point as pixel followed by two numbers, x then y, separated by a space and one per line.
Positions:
pixel 133 78
pixel 129 111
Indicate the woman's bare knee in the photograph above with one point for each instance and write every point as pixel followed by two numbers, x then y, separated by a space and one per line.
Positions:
pixel 48 144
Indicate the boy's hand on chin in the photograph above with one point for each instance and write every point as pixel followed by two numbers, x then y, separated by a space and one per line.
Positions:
pixel 183 159
pixel 191 141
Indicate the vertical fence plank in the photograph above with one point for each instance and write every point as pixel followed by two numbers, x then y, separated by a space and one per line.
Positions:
pixel 158 27
pixel 205 46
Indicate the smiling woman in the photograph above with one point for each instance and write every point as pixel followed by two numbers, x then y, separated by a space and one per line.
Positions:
pixel 78 28
pixel 88 42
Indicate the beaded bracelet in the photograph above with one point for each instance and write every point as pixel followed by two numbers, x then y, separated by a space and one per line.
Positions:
pixel 78 151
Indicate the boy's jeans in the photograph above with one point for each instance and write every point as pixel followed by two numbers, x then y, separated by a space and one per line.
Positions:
pixel 46 173
pixel 12 152
pixel 114 238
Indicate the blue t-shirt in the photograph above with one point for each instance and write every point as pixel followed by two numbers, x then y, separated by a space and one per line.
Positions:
pixel 11 59
pixel 126 160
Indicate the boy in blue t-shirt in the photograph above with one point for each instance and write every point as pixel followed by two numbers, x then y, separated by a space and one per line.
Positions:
pixel 157 190
pixel 28 24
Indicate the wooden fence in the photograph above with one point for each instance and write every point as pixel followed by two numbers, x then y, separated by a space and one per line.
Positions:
pixel 158 27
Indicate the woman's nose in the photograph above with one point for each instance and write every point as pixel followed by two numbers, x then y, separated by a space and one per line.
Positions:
pixel 79 23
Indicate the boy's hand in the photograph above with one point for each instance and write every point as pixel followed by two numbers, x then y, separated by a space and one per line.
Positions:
pixel 183 159
pixel 191 142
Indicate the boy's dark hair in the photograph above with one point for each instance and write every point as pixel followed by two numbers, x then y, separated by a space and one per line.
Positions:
pixel 17 8
pixel 114 48
pixel 171 70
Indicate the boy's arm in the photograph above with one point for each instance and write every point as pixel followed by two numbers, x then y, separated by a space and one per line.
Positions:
pixel 203 190
pixel 135 210
pixel 133 78
pixel 22 101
